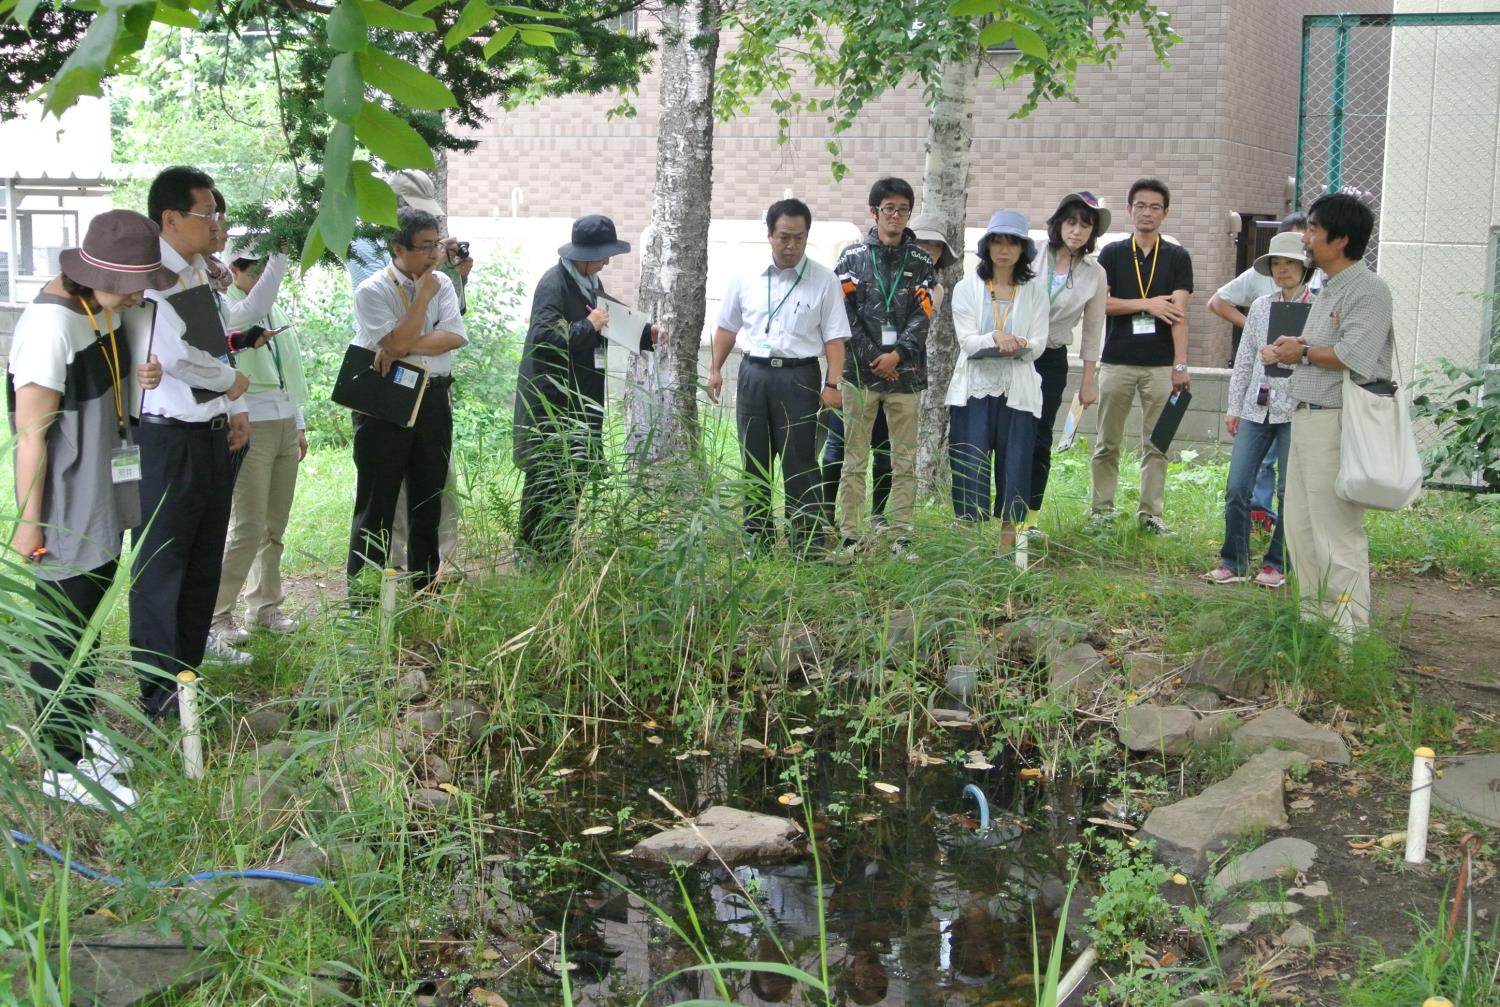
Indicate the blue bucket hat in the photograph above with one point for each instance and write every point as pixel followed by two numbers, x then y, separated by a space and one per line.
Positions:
pixel 1012 223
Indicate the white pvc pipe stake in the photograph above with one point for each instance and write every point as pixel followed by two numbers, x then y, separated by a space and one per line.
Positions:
pixel 1023 540
pixel 1074 977
pixel 187 712
pixel 1421 805
pixel 387 607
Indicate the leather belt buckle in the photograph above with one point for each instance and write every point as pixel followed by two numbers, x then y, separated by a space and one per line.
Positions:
pixel 219 422
pixel 776 362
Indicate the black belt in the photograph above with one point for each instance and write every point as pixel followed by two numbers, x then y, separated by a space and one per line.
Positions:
pixel 784 361
pixel 439 380
pixel 219 422
pixel 1312 405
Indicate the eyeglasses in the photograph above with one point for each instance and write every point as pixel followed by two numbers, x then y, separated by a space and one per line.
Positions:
pixel 427 247
pixel 212 218
pixel 895 212
pixel 1147 207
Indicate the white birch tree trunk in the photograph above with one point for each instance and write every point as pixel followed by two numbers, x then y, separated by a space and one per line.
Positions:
pixel 662 401
pixel 945 184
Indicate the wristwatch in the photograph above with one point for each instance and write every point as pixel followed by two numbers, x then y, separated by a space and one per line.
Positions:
pixel 830 384
pixel 1179 368
pixel 1304 359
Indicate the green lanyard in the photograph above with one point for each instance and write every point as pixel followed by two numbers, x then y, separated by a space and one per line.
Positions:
pixel 771 312
pixel 889 295
pixel 276 356
pixel 1052 289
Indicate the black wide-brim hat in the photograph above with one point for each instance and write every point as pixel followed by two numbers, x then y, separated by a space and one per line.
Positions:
pixel 121 254
pixel 594 238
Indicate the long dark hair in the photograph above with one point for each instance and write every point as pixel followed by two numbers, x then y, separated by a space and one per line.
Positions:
pixel 1073 209
pixel 76 289
pixel 1022 273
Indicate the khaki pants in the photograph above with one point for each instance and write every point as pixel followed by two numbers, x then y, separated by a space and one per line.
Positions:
pixel 860 408
pixel 262 503
pixel 1326 535
pixel 1119 386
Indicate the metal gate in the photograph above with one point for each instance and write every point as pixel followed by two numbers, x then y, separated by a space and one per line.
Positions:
pixel 1403 110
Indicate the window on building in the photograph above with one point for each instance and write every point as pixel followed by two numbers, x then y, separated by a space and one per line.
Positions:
pixel 623 23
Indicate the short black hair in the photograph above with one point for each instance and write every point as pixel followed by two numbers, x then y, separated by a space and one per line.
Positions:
pixel 409 221
pixel 1073 209
pixel 1022 273
pixel 1292 222
pixel 244 264
pixel 76 289
pixel 787 208
pixel 219 203
pixel 172 189
pixel 891 187
pixel 1151 185
pixel 1341 215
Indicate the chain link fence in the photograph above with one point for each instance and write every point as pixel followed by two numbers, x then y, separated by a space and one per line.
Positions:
pixel 1403 111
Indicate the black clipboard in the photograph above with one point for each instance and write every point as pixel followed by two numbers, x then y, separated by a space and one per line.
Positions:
pixel 1288 318
pixel 394 397
pixel 203 329
pixel 1171 417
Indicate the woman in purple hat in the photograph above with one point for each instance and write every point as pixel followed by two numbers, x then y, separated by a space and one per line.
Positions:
pixel 77 477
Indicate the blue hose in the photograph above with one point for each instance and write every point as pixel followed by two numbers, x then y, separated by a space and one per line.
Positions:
pixel 88 872
pixel 984 806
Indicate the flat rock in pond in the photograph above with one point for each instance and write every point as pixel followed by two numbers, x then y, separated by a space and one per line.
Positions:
pixel 1281 728
pixel 1238 917
pixel 738 837
pixel 1471 786
pixel 145 968
pixel 1251 798
pixel 1151 728
pixel 1278 858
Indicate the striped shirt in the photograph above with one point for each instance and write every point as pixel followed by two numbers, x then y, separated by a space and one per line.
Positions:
pixel 1352 313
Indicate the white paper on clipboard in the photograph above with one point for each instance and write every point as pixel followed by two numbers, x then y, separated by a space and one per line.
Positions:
pixel 625 324
pixel 1071 424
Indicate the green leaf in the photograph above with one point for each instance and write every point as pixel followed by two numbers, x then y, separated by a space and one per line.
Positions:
pixel 383 15
pixel 973 8
pixel 338 156
pixel 422 6
pixel 25 9
pixel 475 15
pixel 376 201
pixel 176 17
pixel 531 12
pixel 81 73
pixel 313 248
pixel 1029 42
pixel 346 27
pixel 994 33
pixel 498 41
pixel 538 38
pixel 335 219
pixel 406 83
pixel 344 90
pixel 391 139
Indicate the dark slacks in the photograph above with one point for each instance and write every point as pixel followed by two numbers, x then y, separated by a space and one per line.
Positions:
pixel 1052 365
pixel 553 485
pixel 64 714
pixel 989 440
pixel 186 492
pixel 385 456
pixel 880 461
pixel 776 411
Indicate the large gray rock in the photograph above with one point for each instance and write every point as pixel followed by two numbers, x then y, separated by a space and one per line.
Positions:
pixel 1278 858
pixel 1214 728
pixel 1076 669
pixel 467 718
pixel 1141 670
pixel 738 837
pixel 144 968
pixel 1281 728
pixel 264 724
pixel 1251 798
pixel 1471 786
pixel 259 794
pixel 1030 637
pixel 1237 918
pixel 1225 675
pixel 1199 698
pixel 1162 729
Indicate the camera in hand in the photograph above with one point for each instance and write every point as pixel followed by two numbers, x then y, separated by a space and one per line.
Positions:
pixel 246 339
pixel 463 249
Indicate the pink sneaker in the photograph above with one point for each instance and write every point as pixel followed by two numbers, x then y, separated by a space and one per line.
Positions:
pixel 1223 575
pixel 1270 577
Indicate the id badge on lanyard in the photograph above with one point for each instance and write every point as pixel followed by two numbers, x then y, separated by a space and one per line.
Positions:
pixel 125 464
pixel 887 334
pixel 1143 324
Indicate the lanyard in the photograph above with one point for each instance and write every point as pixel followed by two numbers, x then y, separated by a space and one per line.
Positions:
pixel 771 312
pixel 1155 258
pixel 1053 289
pixel 400 290
pixel 1306 293
pixel 276 356
pixel 889 295
pixel 111 361
pixel 995 305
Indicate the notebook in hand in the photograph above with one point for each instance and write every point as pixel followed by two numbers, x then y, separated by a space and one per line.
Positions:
pixel 1171 417
pixel 1287 319
pixel 203 329
pixel 1071 424
pixel 394 397
pixel 993 353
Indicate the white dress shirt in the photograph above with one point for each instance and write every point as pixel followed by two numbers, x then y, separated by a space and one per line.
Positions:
pixel 381 301
pixel 184 367
pixel 785 312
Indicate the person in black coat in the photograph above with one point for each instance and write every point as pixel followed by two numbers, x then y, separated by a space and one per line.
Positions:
pixel 560 388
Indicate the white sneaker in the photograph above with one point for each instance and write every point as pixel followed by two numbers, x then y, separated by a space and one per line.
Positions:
pixel 107 757
pixel 87 786
pixel 228 631
pixel 221 650
pixel 277 621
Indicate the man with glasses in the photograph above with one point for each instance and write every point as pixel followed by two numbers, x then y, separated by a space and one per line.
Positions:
pixel 1145 349
pixel 408 310
pixel 189 424
pixel 887 283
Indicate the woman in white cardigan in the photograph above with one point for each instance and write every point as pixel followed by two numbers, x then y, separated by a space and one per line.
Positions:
pixel 995 396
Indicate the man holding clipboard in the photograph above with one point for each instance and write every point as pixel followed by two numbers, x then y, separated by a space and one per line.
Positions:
pixel 406 312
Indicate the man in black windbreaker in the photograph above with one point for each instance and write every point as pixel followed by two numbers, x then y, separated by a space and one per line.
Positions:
pixel 887 283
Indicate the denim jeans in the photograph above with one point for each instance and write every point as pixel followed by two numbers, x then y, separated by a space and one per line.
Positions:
pixel 988 439
pixel 1269 481
pixel 1252 444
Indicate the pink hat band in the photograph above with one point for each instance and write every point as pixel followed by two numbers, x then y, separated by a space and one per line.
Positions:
pixel 119 267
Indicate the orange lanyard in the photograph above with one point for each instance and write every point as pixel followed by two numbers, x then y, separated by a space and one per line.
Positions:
pixel 400 290
pixel 1155 258
pixel 995 305
pixel 111 361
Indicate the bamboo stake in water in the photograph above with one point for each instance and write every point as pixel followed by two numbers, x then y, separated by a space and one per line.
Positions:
pixel 187 712
pixel 1420 806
